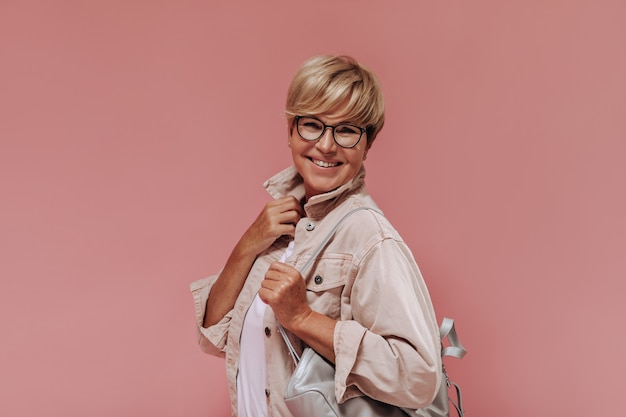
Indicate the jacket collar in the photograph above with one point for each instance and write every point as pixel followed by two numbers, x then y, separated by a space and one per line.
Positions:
pixel 289 182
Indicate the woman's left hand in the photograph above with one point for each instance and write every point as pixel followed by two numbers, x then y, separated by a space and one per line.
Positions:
pixel 284 290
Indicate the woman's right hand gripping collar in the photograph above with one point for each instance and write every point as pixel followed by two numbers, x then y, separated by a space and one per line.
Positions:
pixel 278 218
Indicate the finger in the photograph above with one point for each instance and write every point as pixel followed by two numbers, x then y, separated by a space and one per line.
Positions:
pixel 270 284
pixel 285 230
pixel 289 203
pixel 288 217
pixel 270 275
pixel 279 271
pixel 276 225
pixel 273 287
pixel 292 212
pixel 298 207
pixel 263 294
pixel 282 267
pixel 286 214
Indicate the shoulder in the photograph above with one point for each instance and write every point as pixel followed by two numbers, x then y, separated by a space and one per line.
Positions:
pixel 362 224
pixel 364 215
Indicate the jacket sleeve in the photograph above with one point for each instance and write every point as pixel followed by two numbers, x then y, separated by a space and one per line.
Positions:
pixel 212 339
pixel 390 348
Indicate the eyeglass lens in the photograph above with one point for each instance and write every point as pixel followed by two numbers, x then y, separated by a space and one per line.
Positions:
pixel 345 135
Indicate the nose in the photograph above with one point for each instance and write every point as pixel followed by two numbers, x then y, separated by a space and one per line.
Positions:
pixel 326 143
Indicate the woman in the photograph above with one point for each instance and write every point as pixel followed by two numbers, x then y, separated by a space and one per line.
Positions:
pixel 363 305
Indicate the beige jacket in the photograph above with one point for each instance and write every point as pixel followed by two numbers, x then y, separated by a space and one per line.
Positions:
pixel 386 340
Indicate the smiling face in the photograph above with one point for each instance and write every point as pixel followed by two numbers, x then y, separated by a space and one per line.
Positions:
pixel 323 164
pixel 335 90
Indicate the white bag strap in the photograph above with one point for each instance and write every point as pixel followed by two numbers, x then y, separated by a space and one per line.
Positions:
pixel 330 236
pixel 458 405
pixel 292 351
pixel 457 350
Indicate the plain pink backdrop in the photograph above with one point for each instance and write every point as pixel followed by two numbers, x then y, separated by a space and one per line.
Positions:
pixel 135 135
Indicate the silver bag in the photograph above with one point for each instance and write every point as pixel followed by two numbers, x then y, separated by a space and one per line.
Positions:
pixel 311 389
pixel 311 392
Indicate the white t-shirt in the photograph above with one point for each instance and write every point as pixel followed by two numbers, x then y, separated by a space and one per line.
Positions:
pixel 251 399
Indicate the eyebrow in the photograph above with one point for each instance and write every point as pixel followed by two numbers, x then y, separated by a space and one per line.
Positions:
pixel 340 122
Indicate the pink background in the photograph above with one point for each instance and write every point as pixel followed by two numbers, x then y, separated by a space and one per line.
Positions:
pixel 135 135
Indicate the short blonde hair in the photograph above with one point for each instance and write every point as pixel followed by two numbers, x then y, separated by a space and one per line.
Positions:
pixel 338 85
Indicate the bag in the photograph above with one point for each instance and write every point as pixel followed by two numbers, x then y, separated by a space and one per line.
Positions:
pixel 311 392
pixel 311 389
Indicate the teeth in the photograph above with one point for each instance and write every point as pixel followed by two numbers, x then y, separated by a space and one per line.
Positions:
pixel 325 164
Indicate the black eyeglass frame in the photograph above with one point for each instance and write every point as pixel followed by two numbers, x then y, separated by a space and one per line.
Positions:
pixel 361 129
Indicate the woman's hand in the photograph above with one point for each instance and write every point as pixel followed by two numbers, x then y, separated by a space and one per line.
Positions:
pixel 284 290
pixel 279 217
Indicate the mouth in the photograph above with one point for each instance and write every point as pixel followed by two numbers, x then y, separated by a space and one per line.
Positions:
pixel 324 164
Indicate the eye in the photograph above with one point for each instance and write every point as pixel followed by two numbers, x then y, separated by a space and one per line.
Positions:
pixel 347 130
pixel 311 124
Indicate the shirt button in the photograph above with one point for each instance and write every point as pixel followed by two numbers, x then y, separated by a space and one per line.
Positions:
pixel 318 279
pixel 268 332
pixel 309 226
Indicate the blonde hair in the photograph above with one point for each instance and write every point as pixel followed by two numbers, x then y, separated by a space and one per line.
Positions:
pixel 337 85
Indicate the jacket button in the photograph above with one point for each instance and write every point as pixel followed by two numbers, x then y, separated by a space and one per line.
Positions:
pixel 267 392
pixel 268 332
pixel 309 226
pixel 318 279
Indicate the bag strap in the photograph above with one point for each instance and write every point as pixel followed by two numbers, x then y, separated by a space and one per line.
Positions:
pixel 458 405
pixel 308 264
pixel 457 350
pixel 331 234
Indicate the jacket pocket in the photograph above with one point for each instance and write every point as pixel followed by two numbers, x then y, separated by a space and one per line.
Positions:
pixel 325 283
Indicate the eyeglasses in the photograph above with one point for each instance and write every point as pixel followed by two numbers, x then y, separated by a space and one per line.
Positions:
pixel 344 134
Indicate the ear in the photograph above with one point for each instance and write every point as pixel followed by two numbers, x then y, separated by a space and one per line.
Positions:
pixel 290 127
